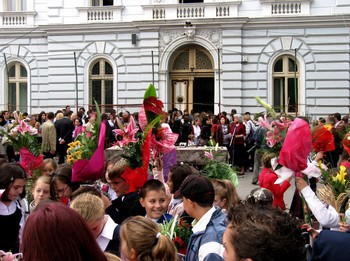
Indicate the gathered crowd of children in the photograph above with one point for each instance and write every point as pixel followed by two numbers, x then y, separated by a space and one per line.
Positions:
pixel 109 220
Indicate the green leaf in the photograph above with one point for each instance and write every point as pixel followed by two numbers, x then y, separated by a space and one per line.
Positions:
pixel 151 91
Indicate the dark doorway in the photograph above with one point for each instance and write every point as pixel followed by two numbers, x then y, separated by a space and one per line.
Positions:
pixel 203 94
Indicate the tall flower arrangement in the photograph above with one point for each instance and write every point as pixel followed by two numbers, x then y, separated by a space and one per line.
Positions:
pixel 23 139
pixel 86 153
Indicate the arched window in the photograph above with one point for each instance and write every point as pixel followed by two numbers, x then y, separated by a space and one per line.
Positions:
pixel 285 85
pixel 101 83
pixel 15 5
pixel 17 87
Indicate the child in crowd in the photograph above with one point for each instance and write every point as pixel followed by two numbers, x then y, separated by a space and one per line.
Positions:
pixel 106 232
pixel 267 180
pixel 127 203
pixel 263 233
pixel 225 194
pixel 154 200
pixel 50 166
pixel 206 240
pixel 61 185
pixel 55 232
pixel 141 240
pixel 12 206
pixel 106 187
pixel 41 191
pixel 177 175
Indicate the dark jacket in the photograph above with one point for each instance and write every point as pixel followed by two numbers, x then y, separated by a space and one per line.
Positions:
pixel 331 245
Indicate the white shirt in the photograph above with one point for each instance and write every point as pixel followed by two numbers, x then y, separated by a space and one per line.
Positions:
pixel 196 130
pixel 326 216
pixel 106 234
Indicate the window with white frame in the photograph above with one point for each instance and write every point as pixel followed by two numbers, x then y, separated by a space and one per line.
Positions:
pixel 101 84
pixel 15 5
pixel 17 87
pixel 285 86
pixel 101 2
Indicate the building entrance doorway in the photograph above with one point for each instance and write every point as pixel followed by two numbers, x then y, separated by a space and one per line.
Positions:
pixel 192 79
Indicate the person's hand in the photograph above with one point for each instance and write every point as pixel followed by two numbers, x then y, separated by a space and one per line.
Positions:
pixel 159 164
pixel 312 232
pixel 300 183
pixel 52 152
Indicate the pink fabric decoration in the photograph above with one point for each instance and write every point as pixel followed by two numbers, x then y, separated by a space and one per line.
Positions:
pixel 296 147
pixel 91 170
pixel 30 162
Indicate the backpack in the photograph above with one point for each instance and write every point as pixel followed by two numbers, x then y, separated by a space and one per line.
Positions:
pixel 252 136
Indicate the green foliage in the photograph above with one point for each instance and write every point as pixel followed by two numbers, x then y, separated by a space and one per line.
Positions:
pixel 220 170
pixel 151 91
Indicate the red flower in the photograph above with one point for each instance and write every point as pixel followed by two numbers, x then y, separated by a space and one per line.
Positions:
pixel 152 104
pixel 322 139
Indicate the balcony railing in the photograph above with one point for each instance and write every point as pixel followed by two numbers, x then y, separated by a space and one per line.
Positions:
pixel 285 7
pixel 100 13
pixel 202 10
pixel 20 19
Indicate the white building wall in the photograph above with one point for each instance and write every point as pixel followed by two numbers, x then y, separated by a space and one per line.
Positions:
pixel 249 39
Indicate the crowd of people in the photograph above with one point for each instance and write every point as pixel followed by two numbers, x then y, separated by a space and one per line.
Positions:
pixel 108 220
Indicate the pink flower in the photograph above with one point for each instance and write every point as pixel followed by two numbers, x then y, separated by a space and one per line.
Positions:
pixel 270 139
pixel 209 155
pixel 263 122
pixel 88 134
pixel 127 135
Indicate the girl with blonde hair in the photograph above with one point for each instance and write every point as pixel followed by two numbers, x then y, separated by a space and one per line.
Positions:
pixel 225 194
pixel 141 240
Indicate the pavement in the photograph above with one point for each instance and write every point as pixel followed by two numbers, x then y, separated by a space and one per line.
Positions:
pixel 245 186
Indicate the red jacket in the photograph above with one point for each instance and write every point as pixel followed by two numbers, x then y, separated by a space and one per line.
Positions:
pixel 267 179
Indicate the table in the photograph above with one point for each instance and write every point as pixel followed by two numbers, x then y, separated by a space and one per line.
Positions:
pixel 193 155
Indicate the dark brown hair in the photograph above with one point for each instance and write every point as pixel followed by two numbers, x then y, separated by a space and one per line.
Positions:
pixel 9 172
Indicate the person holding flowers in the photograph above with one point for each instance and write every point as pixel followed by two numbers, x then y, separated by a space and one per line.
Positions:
pixel 267 180
pixel 127 202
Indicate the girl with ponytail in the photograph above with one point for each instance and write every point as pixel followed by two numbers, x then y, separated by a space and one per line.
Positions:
pixel 141 240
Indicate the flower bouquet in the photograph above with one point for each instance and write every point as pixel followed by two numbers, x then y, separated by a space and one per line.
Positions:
pixel 23 138
pixel 162 139
pixel 218 170
pixel 179 231
pixel 336 188
pixel 137 143
pixel 86 153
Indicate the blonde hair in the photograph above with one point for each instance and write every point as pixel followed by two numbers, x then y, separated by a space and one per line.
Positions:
pixel 141 234
pixel 59 116
pixel 225 190
pixel 43 179
pixel 89 206
pixel 111 257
